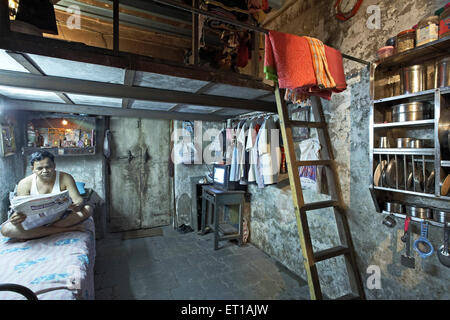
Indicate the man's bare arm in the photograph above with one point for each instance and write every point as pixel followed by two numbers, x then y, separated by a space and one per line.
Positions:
pixel 24 187
pixel 70 185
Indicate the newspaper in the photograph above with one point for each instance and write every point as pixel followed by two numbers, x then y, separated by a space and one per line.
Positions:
pixel 41 209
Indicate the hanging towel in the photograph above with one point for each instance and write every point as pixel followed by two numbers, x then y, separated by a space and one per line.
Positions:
pixel 336 67
pixel 323 75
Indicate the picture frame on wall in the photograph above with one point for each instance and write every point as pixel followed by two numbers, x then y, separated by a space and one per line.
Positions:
pixel 7 141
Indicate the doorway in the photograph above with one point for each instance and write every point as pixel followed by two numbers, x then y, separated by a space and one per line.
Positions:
pixel 141 190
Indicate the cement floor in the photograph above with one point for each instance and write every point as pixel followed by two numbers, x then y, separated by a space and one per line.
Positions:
pixel 186 267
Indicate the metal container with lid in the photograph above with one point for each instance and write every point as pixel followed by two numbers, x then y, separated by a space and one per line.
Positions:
pixel 413 79
pixel 404 142
pixel 406 40
pixel 393 207
pixel 417 143
pixel 418 212
pixel 411 111
pixel 443 72
pixel 441 215
pixel 427 30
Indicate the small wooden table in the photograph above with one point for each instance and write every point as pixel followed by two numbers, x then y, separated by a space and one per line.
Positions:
pixel 220 198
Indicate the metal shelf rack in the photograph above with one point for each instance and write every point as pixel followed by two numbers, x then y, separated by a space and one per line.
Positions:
pixel 418 123
pixel 429 156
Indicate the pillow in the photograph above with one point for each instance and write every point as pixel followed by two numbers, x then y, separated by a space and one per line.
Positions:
pixel 80 186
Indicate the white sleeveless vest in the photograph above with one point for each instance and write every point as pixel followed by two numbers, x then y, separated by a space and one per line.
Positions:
pixel 34 191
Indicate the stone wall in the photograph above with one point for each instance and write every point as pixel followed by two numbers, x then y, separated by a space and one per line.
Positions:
pixel 273 223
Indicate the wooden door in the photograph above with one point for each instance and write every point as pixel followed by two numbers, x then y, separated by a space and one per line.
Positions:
pixel 140 186
pixel 157 195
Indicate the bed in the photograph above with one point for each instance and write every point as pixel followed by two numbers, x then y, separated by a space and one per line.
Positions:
pixel 56 267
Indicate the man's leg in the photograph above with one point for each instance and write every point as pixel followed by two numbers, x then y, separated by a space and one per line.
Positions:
pixel 74 217
pixel 16 231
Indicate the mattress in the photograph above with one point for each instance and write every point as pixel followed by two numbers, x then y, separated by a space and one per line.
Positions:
pixel 56 267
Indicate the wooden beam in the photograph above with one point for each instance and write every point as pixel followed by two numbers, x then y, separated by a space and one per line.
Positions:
pixel 128 80
pixel 38 106
pixel 157 10
pixel 33 68
pixel 116 28
pixel 195 36
pixel 111 90
pixel 264 96
pixel 255 54
pixel 4 18
pixel 203 89
pixel 82 53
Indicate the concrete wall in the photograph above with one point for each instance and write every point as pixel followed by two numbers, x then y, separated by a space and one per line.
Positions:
pixel 184 173
pixel 88 169
pixel 273 224
pixel 12 168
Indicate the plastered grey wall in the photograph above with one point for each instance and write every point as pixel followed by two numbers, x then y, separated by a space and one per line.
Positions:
pixel 12 168
pixel 273 223
pixel 87 169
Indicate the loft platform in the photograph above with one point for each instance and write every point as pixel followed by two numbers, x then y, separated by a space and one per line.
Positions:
pixel 39 74
pixel 52 75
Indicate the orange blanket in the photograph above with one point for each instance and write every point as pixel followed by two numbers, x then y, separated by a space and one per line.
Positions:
pixel 291 60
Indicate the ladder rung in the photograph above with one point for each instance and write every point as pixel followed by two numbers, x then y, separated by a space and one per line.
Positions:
pixel 330 253
pixel 307 124
pixel 320 205
pixel 350 296
pixel 314 163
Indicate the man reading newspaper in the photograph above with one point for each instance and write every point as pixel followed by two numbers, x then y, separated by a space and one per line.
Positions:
pixel 45 180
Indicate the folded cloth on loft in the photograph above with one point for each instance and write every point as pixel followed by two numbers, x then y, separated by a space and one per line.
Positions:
pixel 320 64
pixel 288 60
pixel 303 65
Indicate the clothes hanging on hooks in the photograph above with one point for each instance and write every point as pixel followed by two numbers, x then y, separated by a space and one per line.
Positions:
pixel 269 152
pixel 237 151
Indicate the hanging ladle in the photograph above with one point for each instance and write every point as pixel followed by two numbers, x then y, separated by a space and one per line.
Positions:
pixel 423 240
pixel 442 252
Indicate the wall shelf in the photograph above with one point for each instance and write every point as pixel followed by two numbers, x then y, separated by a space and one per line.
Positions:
pixel 58 152
pixel 428 195
pixel 405 151
pixel 403 216
pixel 384 80
pixel 418 123
pixel 418 96
pixel 445 163
pixel 427 51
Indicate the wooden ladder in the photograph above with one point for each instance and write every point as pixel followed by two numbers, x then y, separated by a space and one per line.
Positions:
pixel 346 248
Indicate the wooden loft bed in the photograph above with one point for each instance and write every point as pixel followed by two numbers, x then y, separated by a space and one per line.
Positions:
pixel 60 76
pixel 159 90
